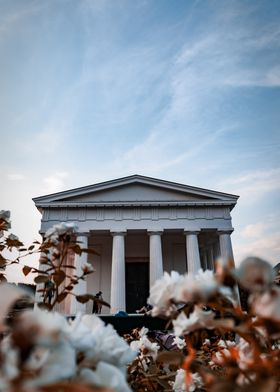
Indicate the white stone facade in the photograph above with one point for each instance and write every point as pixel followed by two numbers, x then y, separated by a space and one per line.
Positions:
pixel 140 227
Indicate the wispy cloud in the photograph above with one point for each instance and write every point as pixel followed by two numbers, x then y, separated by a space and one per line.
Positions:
pixel 15 176
pixel 254 230
pixel 13 16
pixel 55 182
pixel 122 88
pixel 254 184
pixel 267 247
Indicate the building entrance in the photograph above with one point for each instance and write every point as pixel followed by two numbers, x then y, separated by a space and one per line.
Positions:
pixel 137 285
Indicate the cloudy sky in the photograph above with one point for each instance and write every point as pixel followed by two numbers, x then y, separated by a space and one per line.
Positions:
pixel 187 91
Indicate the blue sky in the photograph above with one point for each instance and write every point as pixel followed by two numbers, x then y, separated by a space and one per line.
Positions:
pixel 187 91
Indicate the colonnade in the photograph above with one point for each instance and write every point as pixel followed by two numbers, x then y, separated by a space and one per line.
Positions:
pixel 117 300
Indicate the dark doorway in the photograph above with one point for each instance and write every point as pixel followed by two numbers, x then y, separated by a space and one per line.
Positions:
pixel 137 285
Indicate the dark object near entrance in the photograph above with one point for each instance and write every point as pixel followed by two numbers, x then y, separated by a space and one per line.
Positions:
pixel 125 325
pixel 121 313
pixel 96 304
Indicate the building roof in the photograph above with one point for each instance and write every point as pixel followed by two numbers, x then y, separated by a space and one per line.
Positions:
pixel 135 190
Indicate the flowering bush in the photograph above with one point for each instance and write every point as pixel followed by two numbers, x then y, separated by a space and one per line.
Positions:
pixel 214 345
pixel 42 351
pixel 56 275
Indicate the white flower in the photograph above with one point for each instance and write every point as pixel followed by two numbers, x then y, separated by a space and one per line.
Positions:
pixel 179 384
pixel 49 326
pixel 59 364
pixel 62 228
pixel 143 331
pixel 267 305
pixel 196 288
pixel 180 343
pixel 87 268
pixel 80 335
pixel 9 359
pixel 198 319
pixel 162 293
pixel 52 355
pixel 105 375
pixel 226 343
pixel 106 345
pixel 146 346
pixel 220 356
pixel 255 274
pixel 246 354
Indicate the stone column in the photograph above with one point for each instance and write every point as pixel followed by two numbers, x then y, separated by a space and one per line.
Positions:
pixel 227 254
pixel 156 264
pixel 193 257
pixel 225 244
pixel 117 301
pixel 81 287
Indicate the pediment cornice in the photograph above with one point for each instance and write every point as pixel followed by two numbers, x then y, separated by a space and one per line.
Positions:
pixel 70 198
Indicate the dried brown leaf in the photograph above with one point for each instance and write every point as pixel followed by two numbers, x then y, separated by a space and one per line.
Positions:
pixel 171 357
pixel 41 279
pixel 72 387
pixel 26 269
pixel 83 298
pixel 58 277
pixel 3 261
pixel 61 297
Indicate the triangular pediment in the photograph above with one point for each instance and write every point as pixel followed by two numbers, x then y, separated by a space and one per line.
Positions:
pixel 135 189
pixel 135 192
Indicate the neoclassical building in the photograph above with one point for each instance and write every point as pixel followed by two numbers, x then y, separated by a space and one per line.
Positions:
pixel 140 227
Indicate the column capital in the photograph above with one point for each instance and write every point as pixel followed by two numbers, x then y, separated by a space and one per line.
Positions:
pixel 155 232
pixel 194 232
pixel 229 231
pixel 121 232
